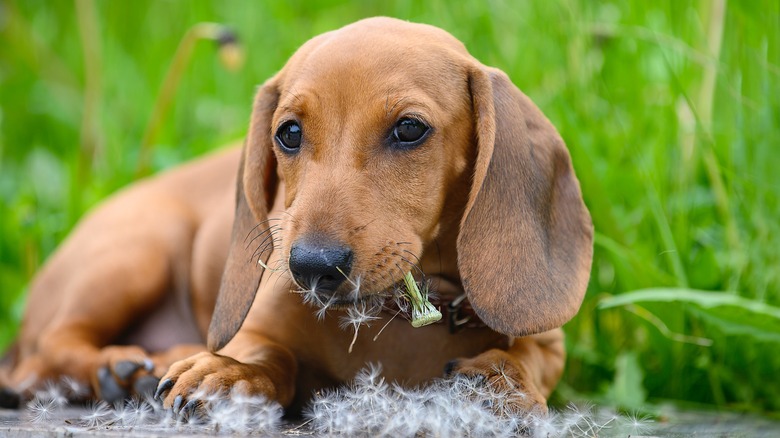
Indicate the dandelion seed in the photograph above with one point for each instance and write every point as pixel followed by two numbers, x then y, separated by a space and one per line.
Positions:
pixel 139 410
pixel 636 423
pixel 356 316
pixel 54 393
pixel 99 414
pixel 41 409
pixel 122 416
pixel 76 390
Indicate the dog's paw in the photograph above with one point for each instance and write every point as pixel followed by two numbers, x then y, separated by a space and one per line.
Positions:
pixel 205 376
pixel 502 381
pixel 123 372
pixel 9 399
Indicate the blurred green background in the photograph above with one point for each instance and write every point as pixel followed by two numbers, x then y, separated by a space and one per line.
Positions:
pixel 671 111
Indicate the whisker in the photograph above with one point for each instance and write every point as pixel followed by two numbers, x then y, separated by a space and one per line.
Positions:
pixel 280 267
pixel 280 264
pixel 260 223
pixel 279 277
pixel 403 273
pixel 438 255
pixel 413 265
pixel 272 228
pixel 413 255
pixel 260 251
pixel 263 245
pixel 365 225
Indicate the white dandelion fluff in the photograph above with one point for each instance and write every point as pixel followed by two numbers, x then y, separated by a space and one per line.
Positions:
pixel 370 405
pixel 41 410
pixel 99 414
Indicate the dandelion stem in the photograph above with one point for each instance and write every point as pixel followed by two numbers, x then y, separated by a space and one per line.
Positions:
pixel 423 312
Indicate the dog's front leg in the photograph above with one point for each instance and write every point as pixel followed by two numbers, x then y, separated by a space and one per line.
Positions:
pixel 526 373
pixel 114 372
pixel 250 365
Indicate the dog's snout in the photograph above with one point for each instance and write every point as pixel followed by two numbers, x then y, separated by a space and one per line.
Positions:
pixel 320 265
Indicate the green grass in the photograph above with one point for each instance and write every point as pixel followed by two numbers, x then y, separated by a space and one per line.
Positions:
pixel 674 137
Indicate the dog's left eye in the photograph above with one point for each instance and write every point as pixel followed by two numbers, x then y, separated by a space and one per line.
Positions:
pixel 289 136
pixel 409 132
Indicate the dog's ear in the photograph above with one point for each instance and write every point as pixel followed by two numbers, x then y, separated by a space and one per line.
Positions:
pixel 526 239
pixel 250 246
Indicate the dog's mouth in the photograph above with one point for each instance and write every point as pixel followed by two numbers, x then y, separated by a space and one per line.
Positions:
pixel 369 303
pixel 369 299
pixel 358 307
pixel 327 301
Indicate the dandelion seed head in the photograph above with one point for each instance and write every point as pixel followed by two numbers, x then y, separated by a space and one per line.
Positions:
pixel 140 411
pixel 99 414
pixel 635 423
pixel 358 315
pixel 41 410
pixel 54 393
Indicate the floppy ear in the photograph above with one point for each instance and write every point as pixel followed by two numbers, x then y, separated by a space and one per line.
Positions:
pixel 526 239
pixel 255 189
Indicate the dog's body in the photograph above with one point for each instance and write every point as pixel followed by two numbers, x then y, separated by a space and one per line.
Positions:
pixel 380 148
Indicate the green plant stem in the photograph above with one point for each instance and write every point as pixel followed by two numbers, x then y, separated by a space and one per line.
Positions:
pixel 423 312
pixel 181 58
pixel 91 143
pixel 705 106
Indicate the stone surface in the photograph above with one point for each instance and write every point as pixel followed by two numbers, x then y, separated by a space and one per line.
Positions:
pixel 68 422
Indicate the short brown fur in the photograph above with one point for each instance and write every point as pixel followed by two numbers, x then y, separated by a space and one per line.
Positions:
pixel 489 204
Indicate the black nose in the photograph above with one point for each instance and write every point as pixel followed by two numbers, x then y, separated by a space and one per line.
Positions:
pixel 320 265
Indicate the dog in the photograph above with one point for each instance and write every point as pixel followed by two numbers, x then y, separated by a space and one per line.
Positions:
pixel 379 149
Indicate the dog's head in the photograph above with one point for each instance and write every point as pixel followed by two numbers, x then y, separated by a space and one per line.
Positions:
pixel 387 135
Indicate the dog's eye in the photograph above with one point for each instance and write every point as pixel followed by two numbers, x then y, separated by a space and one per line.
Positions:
pixel 409 131
pixel 289 136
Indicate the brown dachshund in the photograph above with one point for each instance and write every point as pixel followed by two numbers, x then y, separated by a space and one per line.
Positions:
pixel 380 148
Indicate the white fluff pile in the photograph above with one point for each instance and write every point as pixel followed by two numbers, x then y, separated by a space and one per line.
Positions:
pixel 235 414
pixel 369 406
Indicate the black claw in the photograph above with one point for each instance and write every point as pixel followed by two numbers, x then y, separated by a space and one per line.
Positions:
pixel 126 368
pixel 9 399
pixel 110 390
pixel 190 408
pixel 145 385
pixel 148 365
pixel 177 403
pixel 164 386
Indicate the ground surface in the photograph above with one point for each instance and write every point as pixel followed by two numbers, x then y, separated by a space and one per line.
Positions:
pixel 16 424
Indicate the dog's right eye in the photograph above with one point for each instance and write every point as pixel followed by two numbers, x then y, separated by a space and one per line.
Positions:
pixel 409 132
pixel 289 136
